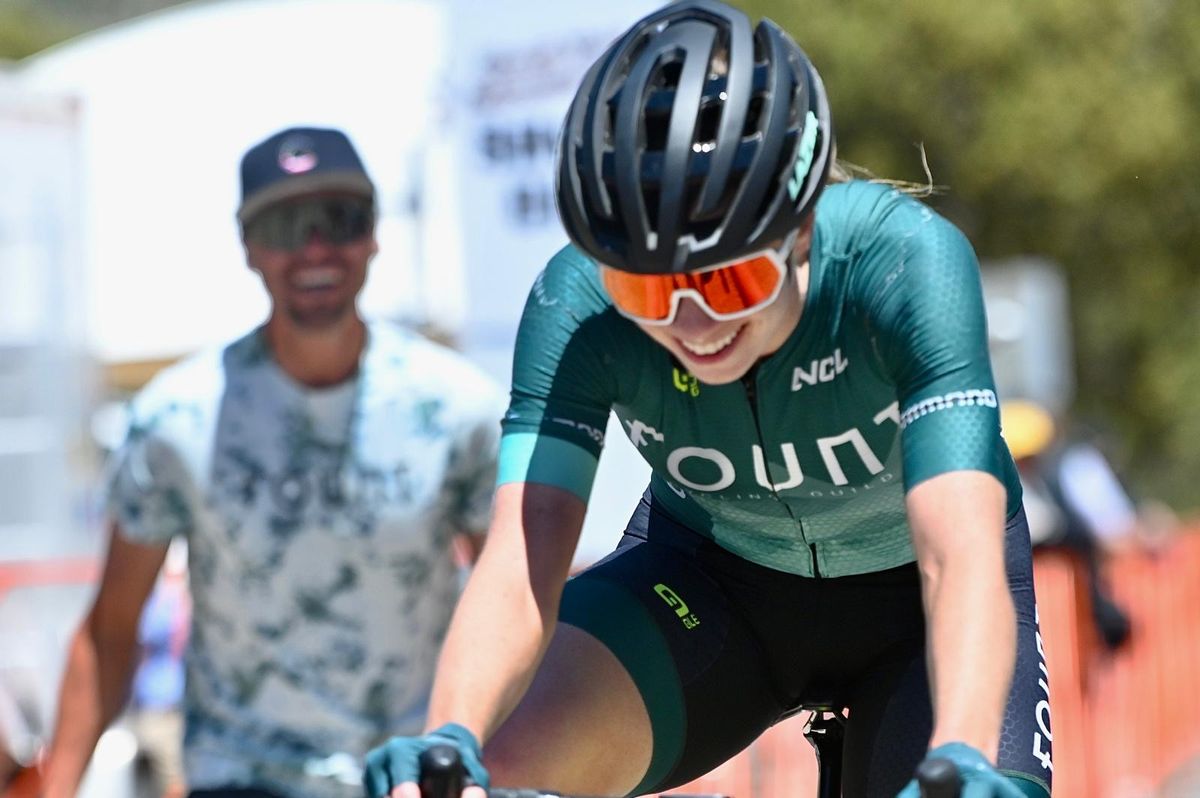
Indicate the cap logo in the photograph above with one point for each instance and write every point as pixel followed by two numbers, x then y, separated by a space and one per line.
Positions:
pixel 297 155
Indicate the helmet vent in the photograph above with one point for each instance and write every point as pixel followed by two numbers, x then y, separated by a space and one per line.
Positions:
pixel 707 124
pixel 753 117
pixel 679 148
pixel 657 127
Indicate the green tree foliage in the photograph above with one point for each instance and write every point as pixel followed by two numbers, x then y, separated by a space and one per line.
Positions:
pixel 24 31
pixel 1064 128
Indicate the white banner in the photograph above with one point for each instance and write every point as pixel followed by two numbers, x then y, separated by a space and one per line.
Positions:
pixel 514 70
pixel 515 66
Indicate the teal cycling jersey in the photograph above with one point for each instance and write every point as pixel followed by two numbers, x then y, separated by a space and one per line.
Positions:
pixel 803 464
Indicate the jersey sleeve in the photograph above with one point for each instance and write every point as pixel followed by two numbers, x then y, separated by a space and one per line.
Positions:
pixel 148 483
pixel 922 287
pixel 563 383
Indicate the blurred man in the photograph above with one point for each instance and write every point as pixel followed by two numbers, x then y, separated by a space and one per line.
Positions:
pixel 319 468
pixel 9 766
pixel 22 725
pixel 1073 499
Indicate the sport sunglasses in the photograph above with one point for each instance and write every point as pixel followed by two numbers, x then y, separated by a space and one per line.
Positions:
pixel 288 226
pixel 730 290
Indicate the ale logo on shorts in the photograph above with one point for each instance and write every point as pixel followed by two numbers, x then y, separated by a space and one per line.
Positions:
pixel 686 616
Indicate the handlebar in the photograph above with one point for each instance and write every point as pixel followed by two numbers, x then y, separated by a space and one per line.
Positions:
pixel 443 776
pixel 938 778
pixel 442 772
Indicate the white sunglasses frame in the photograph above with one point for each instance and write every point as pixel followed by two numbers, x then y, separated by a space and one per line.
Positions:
pixel 777 257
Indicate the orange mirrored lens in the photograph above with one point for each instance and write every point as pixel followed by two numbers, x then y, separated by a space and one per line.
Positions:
pixel 738 286
pixel 647 296
pixel 729 289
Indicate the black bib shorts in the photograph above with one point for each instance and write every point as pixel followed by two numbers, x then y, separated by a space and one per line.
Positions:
pixel 722 648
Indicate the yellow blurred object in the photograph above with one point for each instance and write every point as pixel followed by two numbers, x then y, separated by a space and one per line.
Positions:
pixel 1027 427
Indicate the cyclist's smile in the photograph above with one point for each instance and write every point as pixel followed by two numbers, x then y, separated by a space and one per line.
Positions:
pixel 718 352
pixel 712 349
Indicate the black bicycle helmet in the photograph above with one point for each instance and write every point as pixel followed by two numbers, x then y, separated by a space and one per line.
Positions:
pixel 695 138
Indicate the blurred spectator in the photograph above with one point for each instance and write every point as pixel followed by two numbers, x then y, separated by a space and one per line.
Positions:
pixel 319 469
pixel 8 762
pixel 1074 500
pixel 18 776
pixel 22 720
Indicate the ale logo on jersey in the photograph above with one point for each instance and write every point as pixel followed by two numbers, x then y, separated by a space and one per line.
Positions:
pixel 685 383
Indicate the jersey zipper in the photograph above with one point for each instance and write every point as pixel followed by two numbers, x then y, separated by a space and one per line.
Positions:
pixel 750 384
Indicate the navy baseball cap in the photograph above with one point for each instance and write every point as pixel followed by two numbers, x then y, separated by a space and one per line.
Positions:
pixel 298 161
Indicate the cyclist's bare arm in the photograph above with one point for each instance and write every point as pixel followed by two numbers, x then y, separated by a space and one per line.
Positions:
pixel 509 607
pixel 957 522
pixel 100 661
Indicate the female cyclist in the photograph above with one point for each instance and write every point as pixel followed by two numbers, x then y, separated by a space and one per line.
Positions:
pixel 833 514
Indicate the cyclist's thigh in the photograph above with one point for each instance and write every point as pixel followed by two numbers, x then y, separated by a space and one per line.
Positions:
pixel 891 716
pixel 696 668
pixel 581 727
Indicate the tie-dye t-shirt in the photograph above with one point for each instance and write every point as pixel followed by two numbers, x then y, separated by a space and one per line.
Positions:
pixel 319 525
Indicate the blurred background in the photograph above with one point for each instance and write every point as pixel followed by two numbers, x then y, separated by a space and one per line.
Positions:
pixel 1060 135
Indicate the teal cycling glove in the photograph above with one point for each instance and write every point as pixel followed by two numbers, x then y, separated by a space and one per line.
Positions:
pixel 979 778
pixel 397 760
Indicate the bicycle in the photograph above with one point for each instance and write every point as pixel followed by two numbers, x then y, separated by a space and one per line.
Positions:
pixel 825 732
pixel 442 773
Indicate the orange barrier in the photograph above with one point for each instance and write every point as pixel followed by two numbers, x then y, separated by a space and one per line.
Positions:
pixel 16 574
pixel 38 573
pixel 1144 702
pixel 1122 723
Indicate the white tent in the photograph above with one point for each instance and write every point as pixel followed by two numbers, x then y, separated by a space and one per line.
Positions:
pixel 171 100
pixel 454 105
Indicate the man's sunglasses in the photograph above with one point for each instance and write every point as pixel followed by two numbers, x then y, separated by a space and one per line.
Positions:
pixel 288 226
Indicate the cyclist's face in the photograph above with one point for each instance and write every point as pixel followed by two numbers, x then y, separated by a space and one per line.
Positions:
pixel 317 284
pixel 718 352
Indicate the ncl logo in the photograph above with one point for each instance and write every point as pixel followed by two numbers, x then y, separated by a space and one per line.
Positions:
pixel 823 370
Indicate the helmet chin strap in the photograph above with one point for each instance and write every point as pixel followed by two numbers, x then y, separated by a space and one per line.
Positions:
pixel 803 238
pixel 788 250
